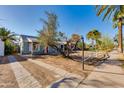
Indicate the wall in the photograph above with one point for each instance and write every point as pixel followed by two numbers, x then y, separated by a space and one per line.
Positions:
pixel 52 50
pixel 1 48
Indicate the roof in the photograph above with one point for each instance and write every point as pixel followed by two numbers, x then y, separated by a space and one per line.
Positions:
pixel 27 38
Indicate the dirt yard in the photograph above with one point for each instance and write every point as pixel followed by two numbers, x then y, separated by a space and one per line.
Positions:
pixel 43 76
pixel 7 78
pixel 66 64
pixel 121 57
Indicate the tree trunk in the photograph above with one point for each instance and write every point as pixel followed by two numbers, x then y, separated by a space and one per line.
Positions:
pixel 75 47
pixel 46 50
pixel 120 34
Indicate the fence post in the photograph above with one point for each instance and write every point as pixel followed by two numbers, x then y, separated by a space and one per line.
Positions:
pixel 82 52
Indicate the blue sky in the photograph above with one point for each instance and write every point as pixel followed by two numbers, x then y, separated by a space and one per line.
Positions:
pixel 72 19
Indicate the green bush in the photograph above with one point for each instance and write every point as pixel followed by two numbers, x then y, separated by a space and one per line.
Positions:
pixel 9 48
pixel 106 44
pixel 80 45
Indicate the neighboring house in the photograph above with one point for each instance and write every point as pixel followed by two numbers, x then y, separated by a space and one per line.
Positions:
pixel 1 48
pixel 29 45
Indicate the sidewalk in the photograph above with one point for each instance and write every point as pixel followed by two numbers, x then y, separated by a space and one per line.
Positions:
pixel 107 75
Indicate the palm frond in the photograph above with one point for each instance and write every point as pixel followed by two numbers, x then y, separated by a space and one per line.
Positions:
pixel 115 25
pixel 101 9
pixel 108 12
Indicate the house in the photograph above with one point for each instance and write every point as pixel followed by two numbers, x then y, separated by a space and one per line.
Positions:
pixel 1 48
pixel 29 45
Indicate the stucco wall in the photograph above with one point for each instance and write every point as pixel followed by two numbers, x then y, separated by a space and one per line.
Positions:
pixel 1 48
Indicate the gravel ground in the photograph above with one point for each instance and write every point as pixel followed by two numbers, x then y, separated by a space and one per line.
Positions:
pixel 66 64
pixel 7 78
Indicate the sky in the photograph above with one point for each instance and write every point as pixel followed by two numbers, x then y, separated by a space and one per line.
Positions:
pixel 71 19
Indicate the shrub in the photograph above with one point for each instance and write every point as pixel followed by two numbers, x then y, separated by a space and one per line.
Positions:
pixel 9 48
pixel 106 44
pixel 80 45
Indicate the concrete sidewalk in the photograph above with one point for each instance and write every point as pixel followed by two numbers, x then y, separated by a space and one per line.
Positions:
pixel 107 75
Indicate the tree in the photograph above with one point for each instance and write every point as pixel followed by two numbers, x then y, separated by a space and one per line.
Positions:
pixel 118 23
pixel 94 35
pixel 48 35
pixel 116 39
pixel 61 36
pixel 117 14
pixel 106 43
pixel 75 38
pixel 7 37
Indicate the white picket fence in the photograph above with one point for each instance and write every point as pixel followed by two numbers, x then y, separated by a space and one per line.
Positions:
pixel 1 48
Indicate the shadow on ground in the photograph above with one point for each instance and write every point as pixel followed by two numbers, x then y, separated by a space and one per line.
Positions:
pixel 65 82
pixel 106 83
pixel 4 60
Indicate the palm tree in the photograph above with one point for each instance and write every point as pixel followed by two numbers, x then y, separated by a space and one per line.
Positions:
pixel 94 35
pixel 6 35
pixel 117 14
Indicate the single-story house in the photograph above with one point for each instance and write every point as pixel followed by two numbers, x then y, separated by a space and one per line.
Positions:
pixel 30 45
pixel 1 48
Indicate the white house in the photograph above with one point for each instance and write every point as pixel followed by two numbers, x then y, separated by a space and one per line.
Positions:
pixel 1 48
pixel 31 45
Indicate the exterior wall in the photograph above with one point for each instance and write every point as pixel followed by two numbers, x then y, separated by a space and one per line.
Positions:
pixel 30 47
pixel 51 50
pixel 25 48
pixel 1 48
